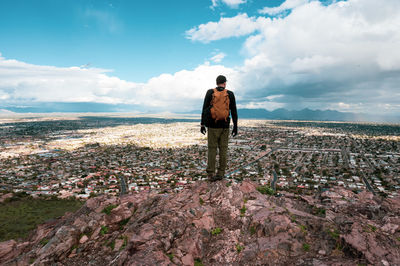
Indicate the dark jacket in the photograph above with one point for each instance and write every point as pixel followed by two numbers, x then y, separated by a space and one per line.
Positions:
pixel 232 109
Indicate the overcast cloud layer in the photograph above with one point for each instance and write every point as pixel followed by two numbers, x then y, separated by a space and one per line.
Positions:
pixel 341 56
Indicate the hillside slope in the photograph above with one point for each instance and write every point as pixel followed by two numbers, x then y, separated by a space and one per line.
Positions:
pixel 218 224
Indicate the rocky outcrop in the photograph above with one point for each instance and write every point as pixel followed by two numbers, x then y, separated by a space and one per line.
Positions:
pixel 218 224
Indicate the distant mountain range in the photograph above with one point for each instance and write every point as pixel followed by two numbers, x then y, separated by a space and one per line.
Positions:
pixel 305 114
pixel 69 107
pixel 314 115
pixel 277 114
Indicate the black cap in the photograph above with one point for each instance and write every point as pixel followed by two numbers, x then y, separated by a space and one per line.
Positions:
pixel 221 79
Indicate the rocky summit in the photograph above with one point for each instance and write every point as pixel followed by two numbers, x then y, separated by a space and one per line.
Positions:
pixel 218 224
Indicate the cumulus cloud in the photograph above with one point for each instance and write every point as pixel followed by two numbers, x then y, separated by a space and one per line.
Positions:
pixel 288 4
pixel 340 55
pixel 218 57
pixel 23 81
pixel 181 91
pixel 237 26
pixel 230 3
pixel 343 55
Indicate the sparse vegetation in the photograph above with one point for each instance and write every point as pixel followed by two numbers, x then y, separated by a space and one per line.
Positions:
pixel 239 248
pixel 266 190
pixel 170 256
pixel 292 217
pixel 107 210
pixel 44 241
pixel 243 211
pixel 303 229
pixel 197 262
pixel 370 228
pixel 123 223
pixel 306 247
pixel 216 231
pixel 111 244
pixel 125 243
pixel 319 211
pixel 252 230
pixel 334 233
pixel 103 230
pixel 201 201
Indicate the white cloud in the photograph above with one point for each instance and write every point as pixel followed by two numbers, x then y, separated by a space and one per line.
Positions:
pixel 230 3
pixel 4 95
pixel 183 90
pixel 342 55
pixel 324 56
pixel 288 4
pixel 5 112
pixel 218 57
pixel 237 26
pixel 22 81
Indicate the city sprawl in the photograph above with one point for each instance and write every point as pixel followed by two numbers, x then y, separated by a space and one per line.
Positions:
pixel 86 156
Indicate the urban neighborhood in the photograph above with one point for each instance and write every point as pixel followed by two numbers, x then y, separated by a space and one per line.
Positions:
pixel 85 157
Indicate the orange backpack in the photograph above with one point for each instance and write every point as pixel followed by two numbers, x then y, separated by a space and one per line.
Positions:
pixel 220 105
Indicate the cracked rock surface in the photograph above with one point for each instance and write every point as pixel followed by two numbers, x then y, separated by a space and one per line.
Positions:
pixel 218 224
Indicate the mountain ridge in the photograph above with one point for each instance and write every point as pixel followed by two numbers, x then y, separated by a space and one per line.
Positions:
pixel 246 113
pixel 218 223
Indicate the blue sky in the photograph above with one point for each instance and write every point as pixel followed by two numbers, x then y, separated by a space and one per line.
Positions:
pixel 136 39
pixel 163 55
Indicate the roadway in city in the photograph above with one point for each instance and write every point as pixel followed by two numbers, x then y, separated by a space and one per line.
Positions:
pixel 257 159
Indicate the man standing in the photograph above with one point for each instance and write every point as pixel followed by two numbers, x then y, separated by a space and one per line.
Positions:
pixel 218 103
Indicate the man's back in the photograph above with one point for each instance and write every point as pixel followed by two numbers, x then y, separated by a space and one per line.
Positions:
pixel 232 108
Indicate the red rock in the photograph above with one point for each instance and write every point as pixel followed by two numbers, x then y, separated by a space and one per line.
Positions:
pixel 118 244
pixel 83 239
pixel 7 250
pixel 188 260
pixel 206 222
pixel 273 231
pixel 5 196
pixel 118 214
pixel 247 187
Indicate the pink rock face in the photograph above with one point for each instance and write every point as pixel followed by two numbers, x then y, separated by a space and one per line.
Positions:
pixel 365 195
pixel 331 194
pixel 188 260
pixel 390 228
pixel 5 196
pixel 205 222
pixel 247 187
pixel 118 214
pixel 83 239
pixel 7 250
pixel 147 232
pixel 230 225
pixel 118 244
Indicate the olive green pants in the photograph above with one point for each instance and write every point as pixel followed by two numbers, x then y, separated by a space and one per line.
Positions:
pixel 217 138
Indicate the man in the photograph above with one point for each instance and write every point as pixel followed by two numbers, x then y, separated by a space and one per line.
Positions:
pixel 218 103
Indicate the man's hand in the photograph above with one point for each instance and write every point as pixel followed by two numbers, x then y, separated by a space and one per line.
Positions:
pixel 203 130
pixel 234 131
